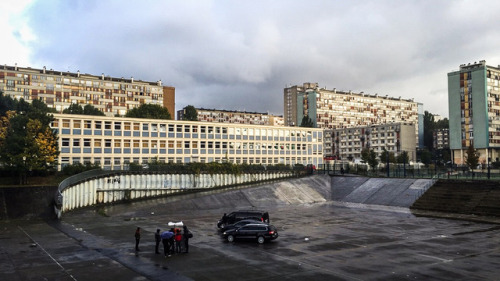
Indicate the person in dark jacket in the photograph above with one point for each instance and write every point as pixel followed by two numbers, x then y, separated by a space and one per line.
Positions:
pixel 186 234
pixel 157 240
pixel 165 239
pixel 137 238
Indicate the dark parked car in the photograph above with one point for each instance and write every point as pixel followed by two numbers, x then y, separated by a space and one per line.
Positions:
pixel 260 232
pixel 243 215
pixel 242 223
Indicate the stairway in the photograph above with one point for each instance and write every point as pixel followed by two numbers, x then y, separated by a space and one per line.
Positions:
pixel 462 197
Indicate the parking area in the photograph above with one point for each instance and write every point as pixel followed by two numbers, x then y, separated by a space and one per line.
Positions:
pixel 323 241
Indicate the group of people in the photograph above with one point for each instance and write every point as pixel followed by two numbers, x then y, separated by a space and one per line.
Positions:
pixel 175 240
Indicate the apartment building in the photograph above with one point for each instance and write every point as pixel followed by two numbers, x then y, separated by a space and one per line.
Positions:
pixel 235 117
pixel 332 109
pixel 58 89
pixel 474 110
pixel 113 142
pixel 441 139
pixel 347 143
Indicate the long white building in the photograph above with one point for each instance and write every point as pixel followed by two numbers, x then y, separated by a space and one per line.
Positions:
pixel 113 142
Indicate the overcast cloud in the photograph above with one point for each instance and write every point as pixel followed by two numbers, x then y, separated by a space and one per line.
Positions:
pixel 239 55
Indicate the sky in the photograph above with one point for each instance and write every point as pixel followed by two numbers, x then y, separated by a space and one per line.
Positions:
pixel 240 55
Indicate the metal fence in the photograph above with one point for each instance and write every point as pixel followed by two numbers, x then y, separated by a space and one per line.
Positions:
pixel 411 171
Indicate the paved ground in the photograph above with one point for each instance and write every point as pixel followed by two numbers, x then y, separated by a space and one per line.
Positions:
pixel 345 241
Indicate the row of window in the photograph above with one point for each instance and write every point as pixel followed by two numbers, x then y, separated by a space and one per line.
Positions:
pixel 119 161
pixel 181 128
pixel 126 143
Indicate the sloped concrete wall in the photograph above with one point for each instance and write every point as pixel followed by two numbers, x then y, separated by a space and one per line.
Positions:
pixel 379 191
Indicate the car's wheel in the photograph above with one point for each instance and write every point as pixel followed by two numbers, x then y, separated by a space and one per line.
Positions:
pixel 230 238
pixel 260 239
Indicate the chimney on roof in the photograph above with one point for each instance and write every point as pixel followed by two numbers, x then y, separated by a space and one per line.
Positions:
pixel 132 79
pixel 15 66
pixel 78 73
pixel 159 82
pixel 44 69
pixel 102 76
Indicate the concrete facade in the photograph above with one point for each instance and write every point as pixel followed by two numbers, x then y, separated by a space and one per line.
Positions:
pixel 332 109
pixel 474 108
pixel 347 143
pixel 60 89
pixel 113 142
pixel 235 117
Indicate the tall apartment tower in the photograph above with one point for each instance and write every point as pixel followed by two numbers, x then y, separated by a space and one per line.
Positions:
pixel 332 109
pixel 57 89
pixel 290 102
pixel 474 110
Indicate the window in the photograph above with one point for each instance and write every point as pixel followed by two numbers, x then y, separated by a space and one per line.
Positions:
pixel 65 123
pixel 76 142
pixel 77 124
pixel 126 143
pixel 107 143
pixel 126 125
pixel 87 124
pixel 137 126
pixel 65 142
pixel 145 126
pixel 98 125
pixel 107 125
pixel 118 125
pixel 145 144
pixel 118 143
pixel 97 143
pixel 86 142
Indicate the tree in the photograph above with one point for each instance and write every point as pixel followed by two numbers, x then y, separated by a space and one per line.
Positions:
pixel 88 109
pixel 151 111
pixel 471 157
pixel 370 157
pixel 26 141
pixel 429 127
pixel 190 113
pixel 425 156
pixel 385 153
pixel 307 122
pixel 403 157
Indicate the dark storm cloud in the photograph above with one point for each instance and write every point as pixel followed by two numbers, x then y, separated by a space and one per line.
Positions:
pixel 239 55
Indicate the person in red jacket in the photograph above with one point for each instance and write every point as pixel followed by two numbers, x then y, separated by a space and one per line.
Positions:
pixel 178 239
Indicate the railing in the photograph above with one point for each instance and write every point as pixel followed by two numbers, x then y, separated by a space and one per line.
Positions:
pixel 96 186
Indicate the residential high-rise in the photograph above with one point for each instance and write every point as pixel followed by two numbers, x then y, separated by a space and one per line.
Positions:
pixel 57 89
pixel 441 139
pixel 474 111
pixel 236 117
pixel 332 109
pixel 347 143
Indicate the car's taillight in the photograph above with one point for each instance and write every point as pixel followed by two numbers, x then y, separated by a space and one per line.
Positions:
pixel 271 232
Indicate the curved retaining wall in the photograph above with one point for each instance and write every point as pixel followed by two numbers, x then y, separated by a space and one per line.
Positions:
pixel 126 186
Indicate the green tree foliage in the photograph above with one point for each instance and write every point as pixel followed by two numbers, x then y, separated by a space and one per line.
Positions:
pixel 471 157
pixel 26 141
pixel 425 156
pixel 429 126
pixel 85 110
pixel 403 157
pixel 307 122
pixel 370 157
pixel 151 111
pixel 385 154
pixel 190 113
